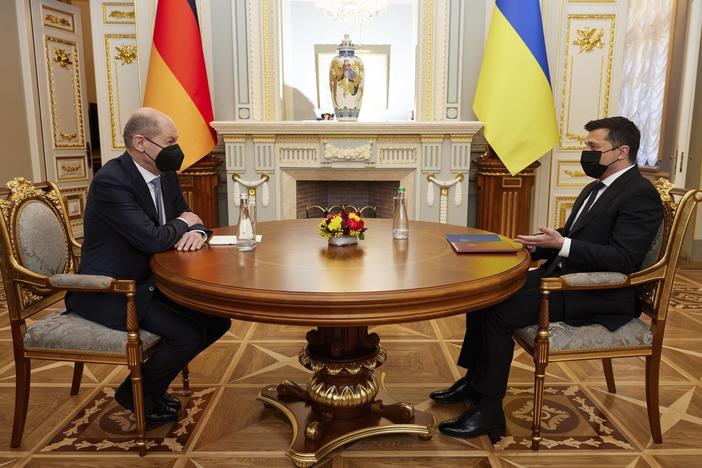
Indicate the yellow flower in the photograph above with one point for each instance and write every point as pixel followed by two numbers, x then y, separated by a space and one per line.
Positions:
pixel 354 216
pixel 335 224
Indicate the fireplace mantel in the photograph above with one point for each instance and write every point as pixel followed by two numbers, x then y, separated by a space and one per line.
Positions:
pixel 274 155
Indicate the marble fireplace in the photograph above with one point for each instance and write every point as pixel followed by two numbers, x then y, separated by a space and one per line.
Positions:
pixel 269 159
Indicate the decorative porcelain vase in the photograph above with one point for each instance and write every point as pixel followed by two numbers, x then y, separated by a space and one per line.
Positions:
pixel 343 240
pixel 346 81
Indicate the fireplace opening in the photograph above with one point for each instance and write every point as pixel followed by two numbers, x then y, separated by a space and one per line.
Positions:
pixel 315 197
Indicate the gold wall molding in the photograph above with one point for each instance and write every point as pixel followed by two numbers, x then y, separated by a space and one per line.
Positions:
pixel 71 168
pixel 112 85
pixel 58 19
pixel 589 39
pixel 51 45
pixel 563 207
pixel 118 13
pixel 428 44
pixel 126 53
pixel 570 140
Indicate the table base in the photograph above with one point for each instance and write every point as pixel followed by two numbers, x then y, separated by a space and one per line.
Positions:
pixel 316 434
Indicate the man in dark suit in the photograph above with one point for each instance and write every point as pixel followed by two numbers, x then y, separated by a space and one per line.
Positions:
pixel 612 225
pixel 135 208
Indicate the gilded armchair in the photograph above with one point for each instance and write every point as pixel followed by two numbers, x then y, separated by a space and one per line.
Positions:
pixel 558 341
pixel 38 260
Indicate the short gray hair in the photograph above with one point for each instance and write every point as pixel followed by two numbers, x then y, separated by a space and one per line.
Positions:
pixel 141 123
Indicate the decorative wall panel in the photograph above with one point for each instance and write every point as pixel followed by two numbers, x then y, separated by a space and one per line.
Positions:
pixel 122 80
pixel 63 71
pixel 587 74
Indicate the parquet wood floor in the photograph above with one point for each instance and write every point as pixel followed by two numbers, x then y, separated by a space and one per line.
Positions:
pixel 223 425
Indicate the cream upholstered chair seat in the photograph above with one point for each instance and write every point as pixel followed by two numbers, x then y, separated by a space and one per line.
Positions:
pixel 71 332
pixel 564 337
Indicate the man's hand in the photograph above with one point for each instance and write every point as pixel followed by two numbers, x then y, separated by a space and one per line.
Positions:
pixel 547 238
pixel 190 218
pixel 191 240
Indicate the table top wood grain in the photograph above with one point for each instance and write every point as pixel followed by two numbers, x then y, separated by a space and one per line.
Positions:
pixel 293 277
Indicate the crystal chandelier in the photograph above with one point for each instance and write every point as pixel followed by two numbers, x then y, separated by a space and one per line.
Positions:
pixel 351 12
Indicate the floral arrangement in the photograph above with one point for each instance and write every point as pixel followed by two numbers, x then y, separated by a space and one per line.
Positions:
pixel 342 224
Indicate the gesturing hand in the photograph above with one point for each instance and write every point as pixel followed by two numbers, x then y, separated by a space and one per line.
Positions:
pixel 547 238
pixel 191 240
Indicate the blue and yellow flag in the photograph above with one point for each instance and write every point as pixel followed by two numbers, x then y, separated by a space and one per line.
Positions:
pixel 513 97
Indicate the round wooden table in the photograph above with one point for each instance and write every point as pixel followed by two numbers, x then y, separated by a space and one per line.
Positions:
pixel 294 278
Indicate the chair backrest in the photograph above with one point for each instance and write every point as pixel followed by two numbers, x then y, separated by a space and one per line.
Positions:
pixel 662 259
pixel 35 242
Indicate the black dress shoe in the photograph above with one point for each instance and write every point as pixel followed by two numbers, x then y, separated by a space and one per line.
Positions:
pixel 171 401
pixel 458 392
pixel 159 414
pixel 474 423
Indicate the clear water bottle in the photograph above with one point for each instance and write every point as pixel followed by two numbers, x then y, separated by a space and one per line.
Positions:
pixel 400 223
pixel 246 229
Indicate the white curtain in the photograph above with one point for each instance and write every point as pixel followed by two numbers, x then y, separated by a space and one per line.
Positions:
pixel 645 65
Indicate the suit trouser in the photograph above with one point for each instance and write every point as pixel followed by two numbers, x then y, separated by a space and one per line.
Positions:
pixel 488 344
pixel 184 334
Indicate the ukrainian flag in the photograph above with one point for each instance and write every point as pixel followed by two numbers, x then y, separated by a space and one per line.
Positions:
pixel 513 98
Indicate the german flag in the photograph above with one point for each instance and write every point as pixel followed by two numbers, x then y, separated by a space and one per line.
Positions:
pixel 176 83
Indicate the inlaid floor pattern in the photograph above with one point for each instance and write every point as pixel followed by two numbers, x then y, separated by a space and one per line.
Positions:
pixel 223 425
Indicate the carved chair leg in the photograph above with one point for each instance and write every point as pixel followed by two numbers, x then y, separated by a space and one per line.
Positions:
pixel 77 377
pixel 541 344
pixel 539 374
pixel 186 380
pixel 138 395
pixel 609 375
pixel 23 372
pixel 652 401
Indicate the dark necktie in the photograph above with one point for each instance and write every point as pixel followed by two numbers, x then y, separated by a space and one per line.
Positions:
pixel 156 183
pixel 588 204
pixel 560 261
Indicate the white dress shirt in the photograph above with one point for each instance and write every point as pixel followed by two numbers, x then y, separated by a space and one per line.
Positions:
pixel 565 250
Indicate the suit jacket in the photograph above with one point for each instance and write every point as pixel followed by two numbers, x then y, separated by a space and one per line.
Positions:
pixel 121 233
pixel 613 236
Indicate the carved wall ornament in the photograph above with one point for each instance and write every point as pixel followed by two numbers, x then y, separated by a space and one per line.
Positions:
pixel 126 53
pixel 251 185
pixel 576 173
pixel 589 39
pixel 445 185
pixel 56 20
pixel 68 136
pixel 359 153
pixel 62 57
pixel 121 15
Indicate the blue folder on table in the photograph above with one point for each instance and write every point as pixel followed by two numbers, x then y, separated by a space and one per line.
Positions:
pixel 481 243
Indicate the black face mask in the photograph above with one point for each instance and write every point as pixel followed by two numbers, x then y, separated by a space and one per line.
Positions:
pixel 590 162
pixel 169 158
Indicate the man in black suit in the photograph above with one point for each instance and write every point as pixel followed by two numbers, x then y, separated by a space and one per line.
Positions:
pixel 612 225
pixel 135 208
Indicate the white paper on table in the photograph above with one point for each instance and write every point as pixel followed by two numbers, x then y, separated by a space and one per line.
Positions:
pixel 229 240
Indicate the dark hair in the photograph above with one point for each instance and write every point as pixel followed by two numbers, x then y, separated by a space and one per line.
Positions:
pixel 140 124
pixel 622 131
